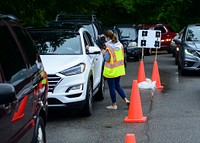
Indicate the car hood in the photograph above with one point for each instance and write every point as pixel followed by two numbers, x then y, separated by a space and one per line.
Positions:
pixel 193 45
pixel 56 63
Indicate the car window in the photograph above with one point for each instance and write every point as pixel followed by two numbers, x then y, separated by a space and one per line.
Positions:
pixel 88 39
pixel 12 63
pixel 29 49
pixel 193 34
pixel 1 75
pixel 27 44
pixel 51 43
pixel 129 33
pixel 161 28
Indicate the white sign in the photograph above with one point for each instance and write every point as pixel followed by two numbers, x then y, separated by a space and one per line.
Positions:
pixel 149 38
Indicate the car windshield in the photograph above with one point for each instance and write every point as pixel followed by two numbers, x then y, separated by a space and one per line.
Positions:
pixel 129 33
pixel 193 34
pixel 51 43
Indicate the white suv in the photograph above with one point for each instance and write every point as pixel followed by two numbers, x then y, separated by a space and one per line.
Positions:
pixel 74 64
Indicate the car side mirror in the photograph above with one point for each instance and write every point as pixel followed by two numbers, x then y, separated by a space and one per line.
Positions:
pixel 93 50
pixel 7 93
pixel 177 41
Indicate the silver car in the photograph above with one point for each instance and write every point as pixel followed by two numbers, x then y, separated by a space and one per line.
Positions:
pixel 189 48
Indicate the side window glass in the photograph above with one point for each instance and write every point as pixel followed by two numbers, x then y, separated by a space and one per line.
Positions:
pixel 29 48
pixel 12 63
pixel 89 39
pixel 86 43
pixel 1 75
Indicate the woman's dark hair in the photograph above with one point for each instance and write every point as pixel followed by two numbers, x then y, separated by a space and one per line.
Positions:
pixel 111 35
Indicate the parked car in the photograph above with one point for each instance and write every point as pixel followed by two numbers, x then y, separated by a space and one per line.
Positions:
pixel 166 34
pixel 74 64
pixel 128 34
pixel 23 86
pixel 189 48
pixel 173 45
pixel 89 21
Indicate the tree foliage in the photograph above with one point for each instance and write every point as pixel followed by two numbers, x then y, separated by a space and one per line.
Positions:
pixel 177 13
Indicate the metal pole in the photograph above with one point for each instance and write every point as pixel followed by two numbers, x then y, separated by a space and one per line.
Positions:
pixel 142 53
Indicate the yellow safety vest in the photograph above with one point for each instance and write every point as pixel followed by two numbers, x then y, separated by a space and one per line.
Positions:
pixel 115 67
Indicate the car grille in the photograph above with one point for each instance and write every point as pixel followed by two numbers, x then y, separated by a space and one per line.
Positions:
pixel 53 80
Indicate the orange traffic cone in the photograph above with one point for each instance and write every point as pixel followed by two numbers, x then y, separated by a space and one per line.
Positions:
pixel 156 75
pixel 135 109
pixel 141 72
pixel 130 138
pixel 20 113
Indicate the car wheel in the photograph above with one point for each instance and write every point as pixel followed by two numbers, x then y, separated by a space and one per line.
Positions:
pixel 169 51
pixel 149 52
pixel 39 132
pixel 137 58
pixel 176 61
pixel 181 69
pixel 87 108
pixel 100 94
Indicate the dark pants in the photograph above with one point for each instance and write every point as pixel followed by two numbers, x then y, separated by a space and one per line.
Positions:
pixel 114 84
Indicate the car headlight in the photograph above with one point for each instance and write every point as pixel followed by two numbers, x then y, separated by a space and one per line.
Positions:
pixel 78 69
pixel 190 52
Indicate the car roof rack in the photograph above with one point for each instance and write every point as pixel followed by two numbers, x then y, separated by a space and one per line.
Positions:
pixel 69 26
pixel 8 17
pixel 89 17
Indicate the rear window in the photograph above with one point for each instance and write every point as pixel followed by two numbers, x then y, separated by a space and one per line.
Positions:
pixel 129 33
pixel 161 28
pixel 52 43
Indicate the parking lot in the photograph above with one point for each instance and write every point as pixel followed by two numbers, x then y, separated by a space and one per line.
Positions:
pixel 172 114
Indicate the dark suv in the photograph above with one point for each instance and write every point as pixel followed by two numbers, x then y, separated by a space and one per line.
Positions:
pixel 129 35
pixel 23 87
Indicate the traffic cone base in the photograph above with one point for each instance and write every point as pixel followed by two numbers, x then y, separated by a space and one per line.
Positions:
pixel 135 108
pixel 142 120
pixel 130 138
pixel 159 87
pixel 156 75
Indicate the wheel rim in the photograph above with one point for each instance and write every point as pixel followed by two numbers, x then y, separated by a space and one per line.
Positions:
pixel 40 135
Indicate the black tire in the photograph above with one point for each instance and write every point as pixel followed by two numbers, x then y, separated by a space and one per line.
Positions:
pixel 100 94
pixel 169 51
pixel 39 135
pixel 88 107
pixel 181 69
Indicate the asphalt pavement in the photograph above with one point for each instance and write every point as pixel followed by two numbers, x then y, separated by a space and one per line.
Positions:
pixel 173 114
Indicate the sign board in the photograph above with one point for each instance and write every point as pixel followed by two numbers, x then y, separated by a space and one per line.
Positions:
pixel 149 38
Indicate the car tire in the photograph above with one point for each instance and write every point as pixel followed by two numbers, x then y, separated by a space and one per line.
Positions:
pixel 39 135
pixel 87 108
pixel 137 58
pixel 169 51
pixel 181 69
pixel 100 94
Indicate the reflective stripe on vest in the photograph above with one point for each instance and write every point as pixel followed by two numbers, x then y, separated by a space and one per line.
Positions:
pixel 115 67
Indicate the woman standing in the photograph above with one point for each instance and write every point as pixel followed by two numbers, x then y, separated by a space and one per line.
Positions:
pixel 114 67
